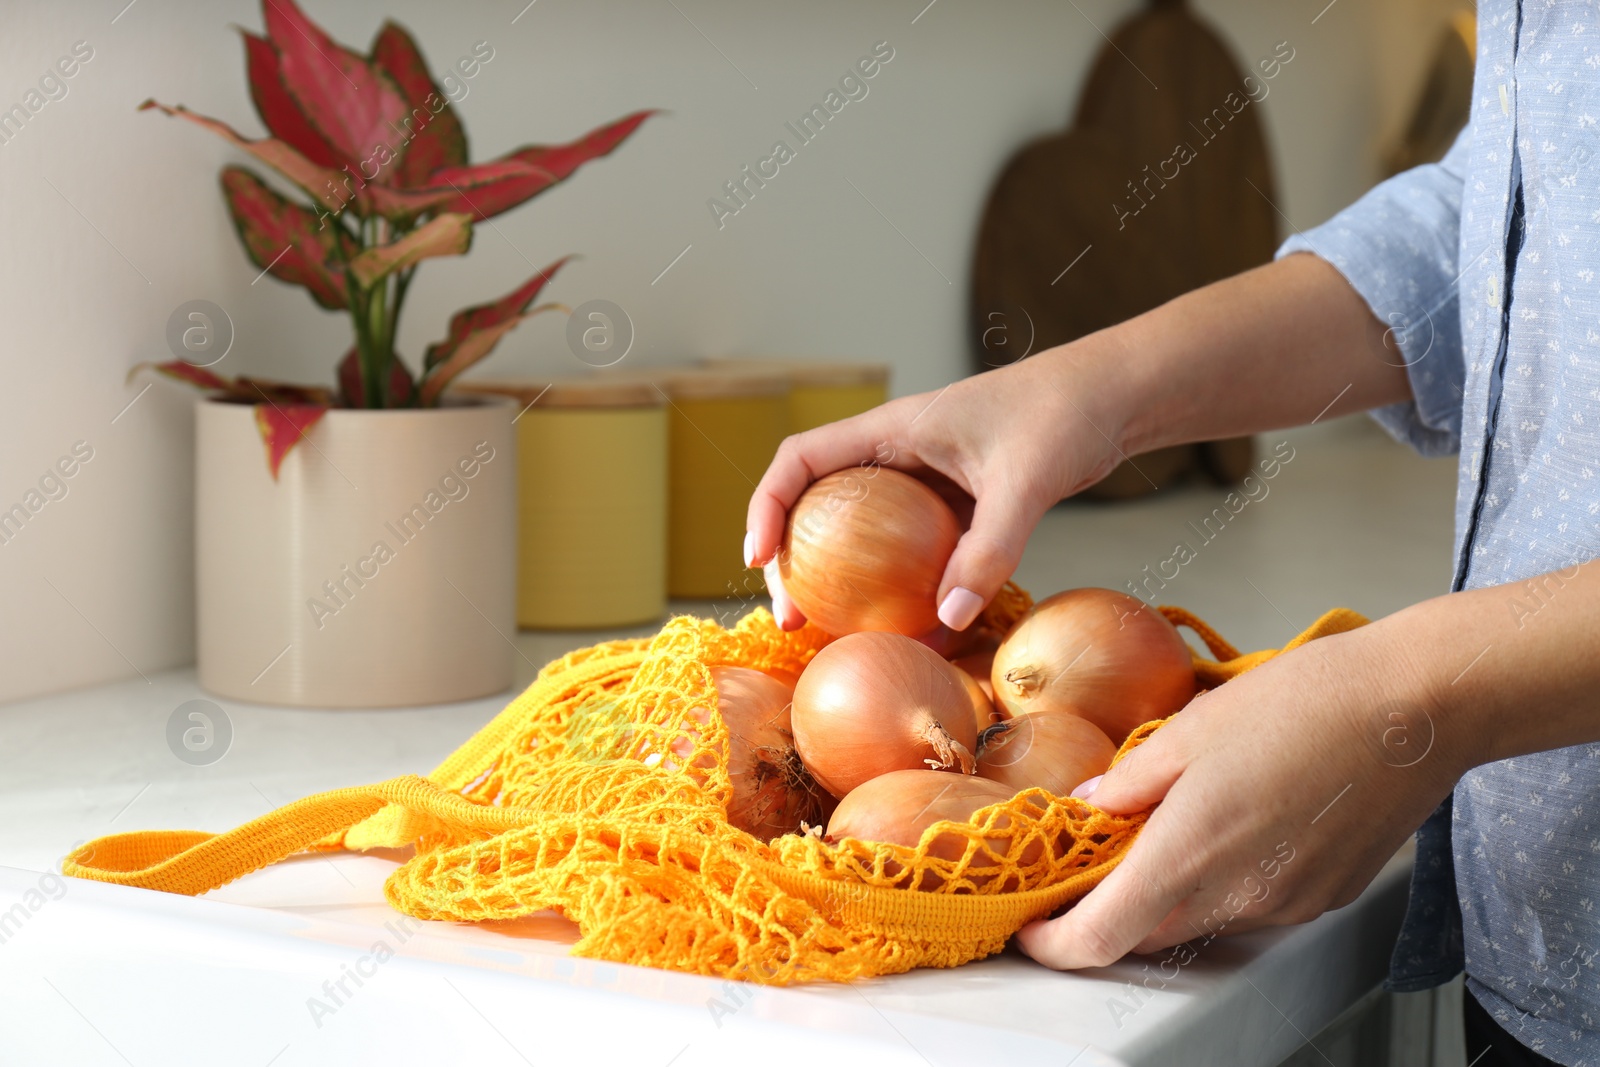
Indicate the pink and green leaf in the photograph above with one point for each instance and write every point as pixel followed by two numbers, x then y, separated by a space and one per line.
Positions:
pixel 243 389
pixel 265 391
pixel 284 413
pixel 375 133
pixel 400 205
pixel 437 140
pixel 283 426
pixel 485 316
pixel 353 395
pixel 473 348
pixel 485 193
pixel 474 332
pixel 404 205
pixel 317 181
pixel 345 97
pixel 444 235
pixel 286 240
pixel 188 373
pixel 279 113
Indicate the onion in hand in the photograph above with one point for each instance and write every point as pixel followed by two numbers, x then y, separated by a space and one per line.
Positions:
pixel 1102 655
pixel 1045 750
pixel 871 703
pixel 866 551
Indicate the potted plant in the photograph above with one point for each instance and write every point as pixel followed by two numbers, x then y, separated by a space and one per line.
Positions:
pixel 370 559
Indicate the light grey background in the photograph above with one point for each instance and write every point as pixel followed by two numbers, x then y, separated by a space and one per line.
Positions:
pixel 111 218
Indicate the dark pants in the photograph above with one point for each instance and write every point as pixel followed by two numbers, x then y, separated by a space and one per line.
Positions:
pixel 1488 1045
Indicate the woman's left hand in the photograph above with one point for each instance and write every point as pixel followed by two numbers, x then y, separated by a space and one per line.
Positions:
pixel 1281 793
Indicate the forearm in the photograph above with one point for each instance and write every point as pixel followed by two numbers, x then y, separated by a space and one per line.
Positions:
pixel 1505 670
pixel 1276 346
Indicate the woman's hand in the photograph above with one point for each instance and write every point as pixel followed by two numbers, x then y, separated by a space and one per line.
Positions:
pixel 1281 793
pixel 1275 346
pixel 1003 447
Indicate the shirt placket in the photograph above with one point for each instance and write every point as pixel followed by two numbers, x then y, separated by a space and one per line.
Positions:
pixel 1515 222
pixel 1429 949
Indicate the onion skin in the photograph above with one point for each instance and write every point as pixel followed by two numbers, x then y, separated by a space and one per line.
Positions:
pixel 772 792
pixel 871 703
pixel 1104 656
pixel 788 678
pixel 866 550
pixel 980 665
pixel 984 714
pixel 897 808
pixel 1044 750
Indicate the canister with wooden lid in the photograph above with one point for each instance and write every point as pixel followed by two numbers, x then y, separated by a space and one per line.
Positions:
pixel 821 391
pixel 592 507
pixel 725 427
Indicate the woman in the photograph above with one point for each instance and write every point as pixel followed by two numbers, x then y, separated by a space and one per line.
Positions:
pixel 1458 303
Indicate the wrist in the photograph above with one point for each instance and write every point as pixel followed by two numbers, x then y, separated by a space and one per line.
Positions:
pixel 1123 378
pixel 1087 380
pixel 1428 683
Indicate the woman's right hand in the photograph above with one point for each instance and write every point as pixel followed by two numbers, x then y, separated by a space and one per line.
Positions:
pixel 1010 442
pixel 1279 345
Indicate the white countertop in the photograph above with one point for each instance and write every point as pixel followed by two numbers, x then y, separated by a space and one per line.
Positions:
pixel 93 973
pixel 109 975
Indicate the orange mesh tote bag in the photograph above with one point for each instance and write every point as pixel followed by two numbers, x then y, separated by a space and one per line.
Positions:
pixel 565 801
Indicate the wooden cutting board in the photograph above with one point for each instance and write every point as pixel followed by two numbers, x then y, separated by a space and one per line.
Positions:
pixel 1160 184
pixel 1445 103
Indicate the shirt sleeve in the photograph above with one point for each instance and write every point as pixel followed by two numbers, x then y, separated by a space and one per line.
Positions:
pixel 1399 247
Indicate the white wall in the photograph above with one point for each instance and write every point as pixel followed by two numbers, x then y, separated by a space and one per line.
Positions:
pixel 110 218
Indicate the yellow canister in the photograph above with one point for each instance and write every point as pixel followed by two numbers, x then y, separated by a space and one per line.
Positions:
pixel 821 391
pixel 725 425
pixel 592 501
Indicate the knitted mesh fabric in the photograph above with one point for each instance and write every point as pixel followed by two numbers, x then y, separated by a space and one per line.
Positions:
pixel 601 793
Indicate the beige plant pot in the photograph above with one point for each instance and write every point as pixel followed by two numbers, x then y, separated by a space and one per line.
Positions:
pixel 378 570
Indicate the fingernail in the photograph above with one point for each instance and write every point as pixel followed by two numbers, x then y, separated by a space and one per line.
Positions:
pixel 1086 790
pixel 781 609
pixel 960 607
pixel 749 548
pixel 780 600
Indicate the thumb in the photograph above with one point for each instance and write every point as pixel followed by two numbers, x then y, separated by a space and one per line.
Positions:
pixel 986 555
pixel 1140 780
